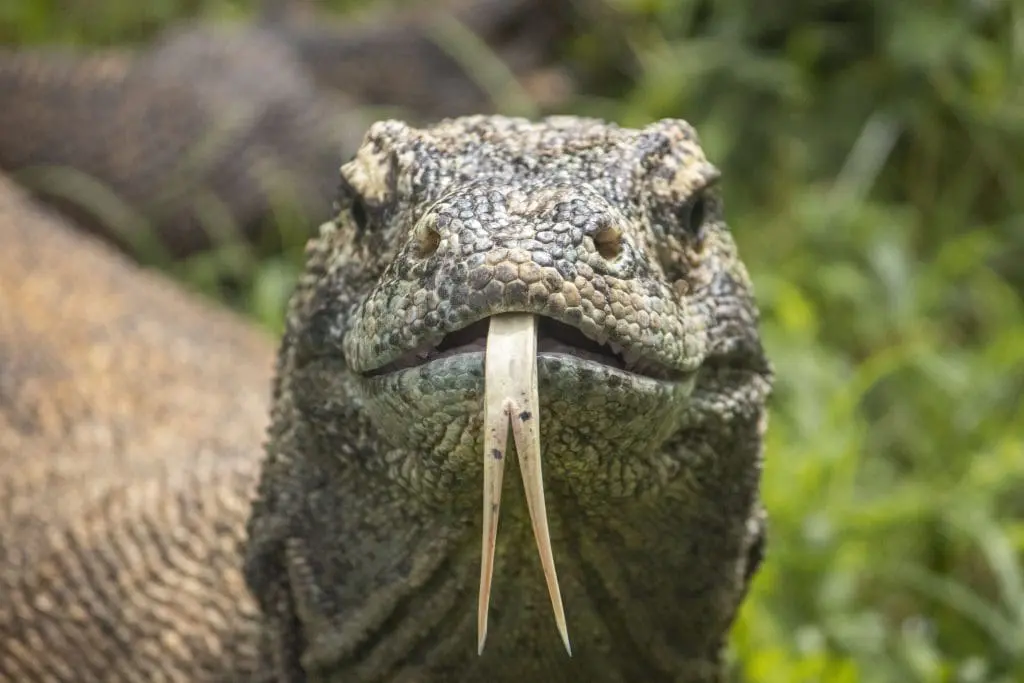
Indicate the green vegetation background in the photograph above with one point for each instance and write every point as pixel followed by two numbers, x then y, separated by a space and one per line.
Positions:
pixel 874 173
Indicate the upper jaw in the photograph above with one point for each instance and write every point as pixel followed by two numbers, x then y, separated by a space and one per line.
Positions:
pixel 554 337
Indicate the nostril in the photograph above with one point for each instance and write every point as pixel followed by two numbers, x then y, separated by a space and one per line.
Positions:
pixel 608 241
pixel 429 242
pixel 427 237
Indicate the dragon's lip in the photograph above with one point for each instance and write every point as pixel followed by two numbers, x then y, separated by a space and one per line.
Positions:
pixel 553 338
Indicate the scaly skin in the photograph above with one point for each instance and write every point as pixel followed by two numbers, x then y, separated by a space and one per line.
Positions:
pixel 364 540
pixel 210 128
pixel 131 421
pixel 213 130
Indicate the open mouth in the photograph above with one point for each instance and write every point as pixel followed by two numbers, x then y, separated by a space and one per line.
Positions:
pixel 553 338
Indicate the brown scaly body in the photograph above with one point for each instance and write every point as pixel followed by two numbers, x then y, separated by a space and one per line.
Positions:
pixel 214 128
pixel 210 129
pixel 131 421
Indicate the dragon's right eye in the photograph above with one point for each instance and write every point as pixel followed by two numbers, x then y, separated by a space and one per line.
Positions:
pixel 360 216
pixel 691 216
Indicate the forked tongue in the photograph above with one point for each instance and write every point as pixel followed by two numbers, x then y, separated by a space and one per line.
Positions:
pixel 510 396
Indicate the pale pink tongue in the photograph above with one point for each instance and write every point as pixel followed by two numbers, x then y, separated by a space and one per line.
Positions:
pixel 510 396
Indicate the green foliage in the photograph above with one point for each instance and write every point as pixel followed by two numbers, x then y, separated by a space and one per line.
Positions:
pixel 873 163
pixel 873 173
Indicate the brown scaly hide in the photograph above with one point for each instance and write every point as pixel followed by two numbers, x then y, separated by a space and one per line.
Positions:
pixel 213 132
pixel 131 422
pixel 195 141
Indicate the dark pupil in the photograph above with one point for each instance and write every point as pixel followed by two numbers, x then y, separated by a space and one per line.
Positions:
pixel 359 213
pixel 692 216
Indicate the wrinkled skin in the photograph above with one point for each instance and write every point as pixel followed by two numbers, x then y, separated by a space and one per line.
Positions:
pixel 364 542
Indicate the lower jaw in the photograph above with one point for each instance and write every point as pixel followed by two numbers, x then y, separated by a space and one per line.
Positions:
pixel 555 370
pixel 596 422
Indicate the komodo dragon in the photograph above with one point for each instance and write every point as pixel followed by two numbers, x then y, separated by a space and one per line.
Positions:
pixel 567 280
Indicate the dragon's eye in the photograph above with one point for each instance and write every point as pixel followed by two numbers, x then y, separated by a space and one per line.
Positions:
pixel 691 216
pixel 351 200
pixel 359 214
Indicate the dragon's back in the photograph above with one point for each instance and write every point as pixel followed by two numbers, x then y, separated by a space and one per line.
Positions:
pixel 131 423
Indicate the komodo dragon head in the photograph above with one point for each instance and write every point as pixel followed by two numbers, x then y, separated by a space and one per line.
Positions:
pixel 570 282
